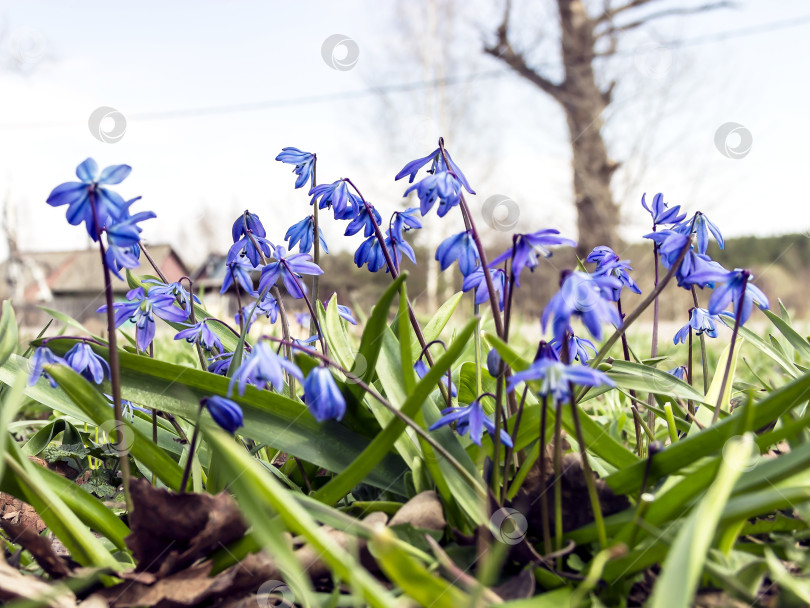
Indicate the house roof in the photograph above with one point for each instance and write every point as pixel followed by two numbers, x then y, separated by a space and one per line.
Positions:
pixel 77 272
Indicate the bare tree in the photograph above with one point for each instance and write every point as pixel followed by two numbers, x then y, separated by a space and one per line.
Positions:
pixel 585 38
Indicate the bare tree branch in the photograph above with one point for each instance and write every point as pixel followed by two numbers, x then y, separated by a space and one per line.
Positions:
pixel 672 12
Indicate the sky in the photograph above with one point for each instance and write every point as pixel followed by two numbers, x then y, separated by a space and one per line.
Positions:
pixel 211 91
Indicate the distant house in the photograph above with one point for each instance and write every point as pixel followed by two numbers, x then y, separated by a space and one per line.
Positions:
pixel 71 282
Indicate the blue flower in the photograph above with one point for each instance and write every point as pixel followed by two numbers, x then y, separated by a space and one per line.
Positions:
pixel 421 369
pixel 239 268
pixel 398 247
pixel 225 412
pixel 362 221
pixel 526 248
pixel 85 361
pixel 608 263
pixel 370 253
pixel 267 306
pixel 262 367
pixel 43 356
pixel 128 408
pixel 304 233
pixel 731 290
pixel 701 226
pixel 249 240
pixel 302 318
pixel 586 296
pixel 701 321
pixel 442 186
pixel 289 268
pixel 304 163
pixel 336 196
pixel 200 334
pixel 661 213
pixel 176 290
pixel 343 311
pixel 679 372
pixel 141 309
pixel 402 221
pixel 577 349
pixel 82 196
pixel 322 395
pixel 477 281
pixel 438 165
pixel 459 247
pixel 558 377
pixel 473 419
pixel 123 239
pixel 219 364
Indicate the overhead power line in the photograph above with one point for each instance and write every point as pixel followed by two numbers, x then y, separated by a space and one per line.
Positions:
pixel 737 33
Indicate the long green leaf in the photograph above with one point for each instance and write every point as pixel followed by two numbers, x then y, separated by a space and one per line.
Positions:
pixel 8 332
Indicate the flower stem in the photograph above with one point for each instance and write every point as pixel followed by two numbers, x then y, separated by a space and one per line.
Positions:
pixel 115 370
pixel 546 525
pixel 703 361
pixel 636 413
pixel 191 447
pixel 203 366
pixel 734 333
pixel 314 319
pixel 285 331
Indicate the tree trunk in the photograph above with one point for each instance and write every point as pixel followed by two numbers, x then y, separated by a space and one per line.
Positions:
pixel 584 102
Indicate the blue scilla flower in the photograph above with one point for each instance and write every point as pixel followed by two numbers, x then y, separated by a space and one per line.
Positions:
pixel 557 378
pixel 322 395
pixel 267 306
pixel 263 367
pixel 730 288
pixel 694 268
pixel 527 247
pixel 201 334
pixel 344 311
pixel 305 342
pixel 399 247
pixel 436 158
pixel 289 268
pixel 303 235
pixel 586 296
pixel 240 269
pixel 128 408
pixel 336 196
pixel 402 221
pixel 123 239
pixel 701 321
pixel 662 213
pixel 421 369
pixel 577 349
pixel 608 263
pixel 670 244
pixel 304 163
pixel 603 256
pixel 83 359
pixel 141 309
pixel 363 221
pixel 249 240
pixel 225 412
pixel 679 372
pixel 91 192
pixel 43 356
pixel 476 280
pixel 302 318
pixel 459 247
pixel 472 419
pixel 441 186
pixel 176 290
pixel 701 226
pixel 219 364
pixel 370 253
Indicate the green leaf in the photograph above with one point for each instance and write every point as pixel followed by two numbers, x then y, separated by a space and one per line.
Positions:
pixel 680 572
pixel 644 378
pixel 95 405
pixel 795 339
pixel 438 321
pixel 8 332
pixel 259 493
pixel 70 322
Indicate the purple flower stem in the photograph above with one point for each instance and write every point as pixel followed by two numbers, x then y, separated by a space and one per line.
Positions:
pixel 191 447
pixel 703 361
pixel 636 413
pixel 731 349
pixel 115 371
pixel 309 306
